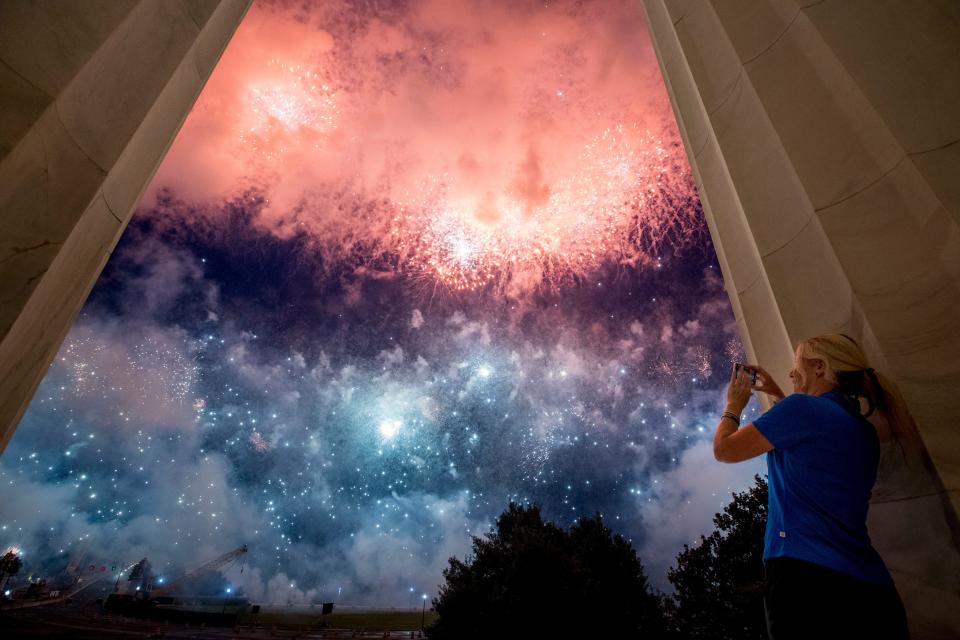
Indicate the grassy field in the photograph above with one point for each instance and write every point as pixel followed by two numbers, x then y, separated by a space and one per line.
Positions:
pixel 369 620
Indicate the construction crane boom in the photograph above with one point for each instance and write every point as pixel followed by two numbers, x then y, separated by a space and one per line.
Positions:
pixel 213 565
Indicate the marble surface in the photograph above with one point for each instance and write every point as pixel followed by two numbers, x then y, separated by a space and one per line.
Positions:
pixel 904 56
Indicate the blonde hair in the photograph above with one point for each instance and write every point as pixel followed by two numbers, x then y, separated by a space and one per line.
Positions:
pixel 846 366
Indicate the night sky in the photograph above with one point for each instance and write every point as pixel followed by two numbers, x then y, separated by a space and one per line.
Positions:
pixel 406 262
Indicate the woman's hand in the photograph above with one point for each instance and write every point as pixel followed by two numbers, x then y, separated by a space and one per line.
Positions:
pixel 739 391
pixel 765 384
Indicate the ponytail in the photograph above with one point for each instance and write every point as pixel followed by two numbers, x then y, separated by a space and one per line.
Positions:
pixel 856 380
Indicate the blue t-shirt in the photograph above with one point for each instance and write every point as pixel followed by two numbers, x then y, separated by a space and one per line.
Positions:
pixel 821 471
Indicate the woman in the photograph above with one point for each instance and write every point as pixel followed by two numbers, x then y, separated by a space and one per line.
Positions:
pixel 824 578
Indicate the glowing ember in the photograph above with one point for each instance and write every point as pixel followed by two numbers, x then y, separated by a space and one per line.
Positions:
pixel 258 443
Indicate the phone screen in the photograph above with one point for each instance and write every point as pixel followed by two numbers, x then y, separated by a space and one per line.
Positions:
pixel 750 372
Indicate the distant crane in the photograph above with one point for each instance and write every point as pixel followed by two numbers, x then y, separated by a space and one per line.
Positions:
pixel 163 600
pixel 227 558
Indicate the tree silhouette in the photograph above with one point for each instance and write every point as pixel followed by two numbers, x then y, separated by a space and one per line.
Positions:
pixel 719 583
pixel 529 579
pixel 10 564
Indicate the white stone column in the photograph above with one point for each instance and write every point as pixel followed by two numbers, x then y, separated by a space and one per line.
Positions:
pixel 824 137
pixel 91 96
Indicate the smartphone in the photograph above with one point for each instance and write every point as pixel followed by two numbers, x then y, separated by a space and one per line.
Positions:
pixel 750 371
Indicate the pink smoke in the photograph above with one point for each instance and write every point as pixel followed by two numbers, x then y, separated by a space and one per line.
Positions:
pixel 473 139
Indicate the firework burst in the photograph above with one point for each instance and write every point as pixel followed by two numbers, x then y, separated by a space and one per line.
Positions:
pixel 625 198
pixel 292 106
pixel 150 368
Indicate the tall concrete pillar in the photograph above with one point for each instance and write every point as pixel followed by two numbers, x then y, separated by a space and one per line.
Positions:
pixel 824 137
pixel 92 93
